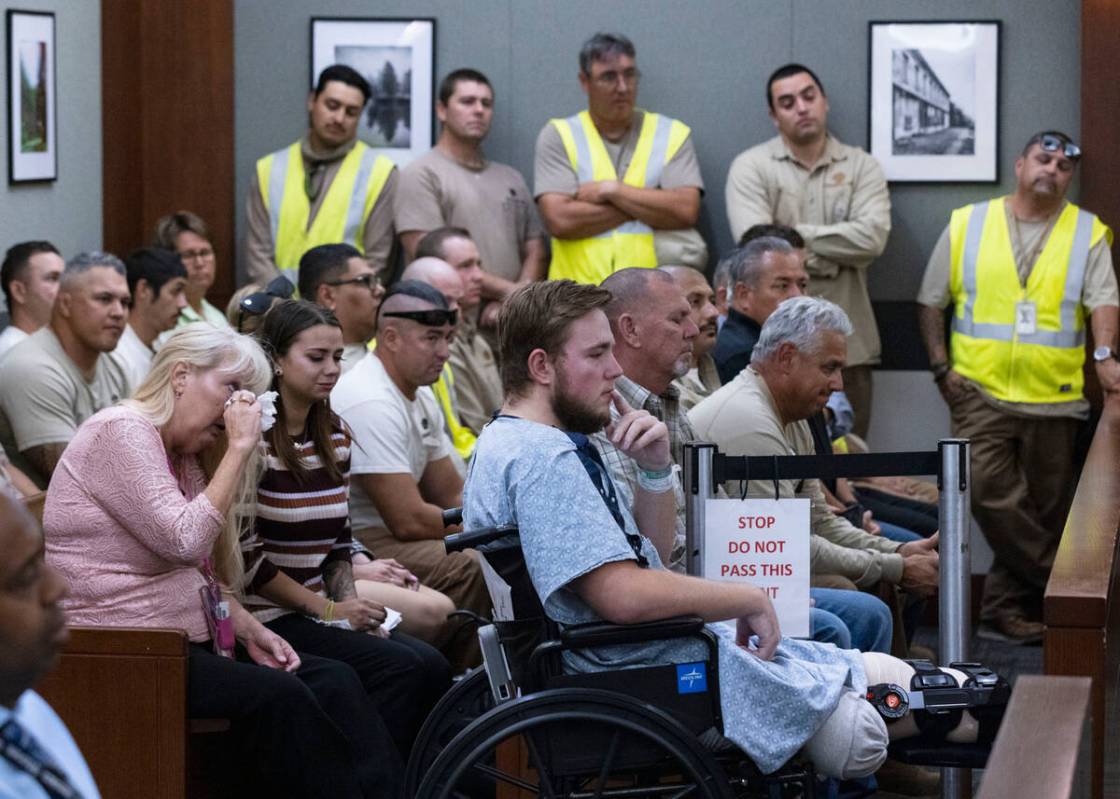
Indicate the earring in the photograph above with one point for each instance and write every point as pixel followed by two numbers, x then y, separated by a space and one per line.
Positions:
pixel 178 393
pixel 279 372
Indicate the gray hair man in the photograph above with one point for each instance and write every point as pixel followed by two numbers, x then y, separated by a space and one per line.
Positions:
pixel 797 363
pixel 762 273
pixel 64 373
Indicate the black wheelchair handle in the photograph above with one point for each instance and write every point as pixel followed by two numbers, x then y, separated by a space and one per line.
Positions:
pixel 472 539
pixel 452 517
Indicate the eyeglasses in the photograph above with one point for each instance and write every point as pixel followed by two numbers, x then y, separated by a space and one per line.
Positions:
pixel 1053 144
pixel 436 317
pixel 368 280
pixel 608 80
pixel 259 302
pixel 196 255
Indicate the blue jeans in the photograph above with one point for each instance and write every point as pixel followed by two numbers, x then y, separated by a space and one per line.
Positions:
pixel 850 619
pixel 896 533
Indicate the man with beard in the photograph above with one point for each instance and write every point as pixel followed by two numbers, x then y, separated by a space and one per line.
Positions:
pixel 402 472
pixel 1022 272
pixel 157 280
pixel 591 559
pixel 38 758
pixel 65 372
pixel 702 377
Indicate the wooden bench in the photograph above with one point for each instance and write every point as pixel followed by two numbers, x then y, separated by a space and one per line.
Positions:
pixel 1082 620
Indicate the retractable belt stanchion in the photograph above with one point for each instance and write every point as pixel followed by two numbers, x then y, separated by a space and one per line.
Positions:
pixel 698 487
pixel 955 594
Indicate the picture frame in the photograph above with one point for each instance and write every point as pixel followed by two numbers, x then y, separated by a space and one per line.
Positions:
pixel 32 97
pixel 933 114
pixel 397 57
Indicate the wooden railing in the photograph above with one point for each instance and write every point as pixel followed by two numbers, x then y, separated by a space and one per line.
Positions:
pixel 1081 613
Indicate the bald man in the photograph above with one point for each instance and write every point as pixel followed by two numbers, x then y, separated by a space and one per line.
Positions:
pixel 402 470
pixel 702 377
pixel 32 632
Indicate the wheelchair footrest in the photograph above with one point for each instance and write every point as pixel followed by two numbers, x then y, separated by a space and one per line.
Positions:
pixel 920 751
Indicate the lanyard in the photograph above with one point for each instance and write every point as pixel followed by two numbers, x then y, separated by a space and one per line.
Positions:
pixel 593 463
pixel 20 749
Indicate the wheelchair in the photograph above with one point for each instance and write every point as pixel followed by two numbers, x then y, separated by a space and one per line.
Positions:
pixel 519 726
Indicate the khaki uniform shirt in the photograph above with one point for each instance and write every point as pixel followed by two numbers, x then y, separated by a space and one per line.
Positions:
pixel 478 384
pixel 841 208
pixel 44 397
pixel 492 202
pixel 552 172
pixel 741 419
pixel 1027 238
pixel 377 237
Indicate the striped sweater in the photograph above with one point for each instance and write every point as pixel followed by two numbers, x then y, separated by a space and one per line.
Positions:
pixel 300 526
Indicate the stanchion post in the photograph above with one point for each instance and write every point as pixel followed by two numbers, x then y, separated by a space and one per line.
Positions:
pixel 698 487
pixel 955 593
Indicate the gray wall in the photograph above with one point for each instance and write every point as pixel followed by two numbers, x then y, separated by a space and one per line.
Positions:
pixel 67 211
pixel 703 62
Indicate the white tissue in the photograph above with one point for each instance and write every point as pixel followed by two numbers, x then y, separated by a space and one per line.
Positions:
pixel 267 402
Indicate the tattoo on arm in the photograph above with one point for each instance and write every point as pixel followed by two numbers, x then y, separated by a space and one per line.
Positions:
pixel 931 322
pixel 44 458
pixel 339 578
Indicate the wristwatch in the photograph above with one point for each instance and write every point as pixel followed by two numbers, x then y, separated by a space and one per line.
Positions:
pixel 1103 353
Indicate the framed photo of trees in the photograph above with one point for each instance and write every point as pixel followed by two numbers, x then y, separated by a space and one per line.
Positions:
pixel 397 59
pixel 32 128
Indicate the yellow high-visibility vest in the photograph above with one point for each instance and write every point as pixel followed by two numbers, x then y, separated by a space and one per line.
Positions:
pixel 461 437
pixel 342 216
pixel 992 342
pixel 631 243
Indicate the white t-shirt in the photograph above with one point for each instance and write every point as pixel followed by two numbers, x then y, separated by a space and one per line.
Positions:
pixel 351 354
pixel 391 434
pixel 11 336
pixel 36 717
pixel 135 355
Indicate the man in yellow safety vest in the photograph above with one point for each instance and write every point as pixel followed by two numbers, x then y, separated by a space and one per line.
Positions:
pixel 616 186
pixel 1026 274
pixel 326 188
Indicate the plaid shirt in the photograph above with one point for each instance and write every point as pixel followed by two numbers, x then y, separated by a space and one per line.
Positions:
pixel 624 469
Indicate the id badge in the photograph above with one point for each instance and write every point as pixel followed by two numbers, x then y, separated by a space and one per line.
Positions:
pixel 1026 318
pixel 219 622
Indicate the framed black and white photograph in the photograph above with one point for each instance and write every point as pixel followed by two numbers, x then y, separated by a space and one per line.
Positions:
pixel 32 128
pixel 934 109
pixel 397 58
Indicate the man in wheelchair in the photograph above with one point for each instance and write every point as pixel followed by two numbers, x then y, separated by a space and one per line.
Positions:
pixel 592 560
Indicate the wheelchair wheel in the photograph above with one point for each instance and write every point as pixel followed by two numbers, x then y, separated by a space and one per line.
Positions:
pixel 468 699
pixel 575 743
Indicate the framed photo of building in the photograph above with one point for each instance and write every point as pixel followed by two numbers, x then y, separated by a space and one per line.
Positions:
pixel 397 59
pixel 32 128
pixel 934 110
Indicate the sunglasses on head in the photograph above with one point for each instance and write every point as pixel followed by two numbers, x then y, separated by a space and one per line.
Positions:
pixel 436 317
pixel 259 302
pixel 1053 144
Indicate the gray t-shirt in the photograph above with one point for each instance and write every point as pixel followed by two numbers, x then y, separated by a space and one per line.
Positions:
pixel 492 203
pixel 44 397
pixel 529 474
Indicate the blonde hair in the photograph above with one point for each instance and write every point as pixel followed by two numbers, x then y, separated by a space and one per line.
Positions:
pixel 203 347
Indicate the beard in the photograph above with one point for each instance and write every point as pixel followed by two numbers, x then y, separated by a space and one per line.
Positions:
pixel 574 415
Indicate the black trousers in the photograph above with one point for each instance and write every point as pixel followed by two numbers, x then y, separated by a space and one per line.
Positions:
pixel 312 733
pixel 402 676
pixel 920 517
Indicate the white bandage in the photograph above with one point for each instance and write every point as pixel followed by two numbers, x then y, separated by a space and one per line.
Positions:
pixel 852 742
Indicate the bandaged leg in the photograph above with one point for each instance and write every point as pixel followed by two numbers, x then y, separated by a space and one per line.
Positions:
pixel 852 742
pixel 882 668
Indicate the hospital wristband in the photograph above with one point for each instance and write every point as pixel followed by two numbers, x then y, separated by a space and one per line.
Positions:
pixel 656 482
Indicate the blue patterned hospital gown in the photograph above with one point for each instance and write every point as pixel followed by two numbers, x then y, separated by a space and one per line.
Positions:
pixel 529 474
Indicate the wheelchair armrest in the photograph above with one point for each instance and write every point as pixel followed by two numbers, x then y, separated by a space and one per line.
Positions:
pixel 472 539
pixel 603 634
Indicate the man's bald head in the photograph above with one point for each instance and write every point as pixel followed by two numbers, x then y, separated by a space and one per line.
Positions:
pixel 409 295
pixel 630 290
pixel 414 332
pixel 439 274
pixel 32 628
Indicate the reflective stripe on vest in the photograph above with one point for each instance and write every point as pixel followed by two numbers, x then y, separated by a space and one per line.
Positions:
pixel 344 210
pixel 1039 366
pixel 461 437
pixel 591 259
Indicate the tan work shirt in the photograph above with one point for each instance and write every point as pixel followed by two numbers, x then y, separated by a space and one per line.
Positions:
pixel 742 419
pixel 377 237
pixel 841 208
pixel 478 384
pixel 1027 239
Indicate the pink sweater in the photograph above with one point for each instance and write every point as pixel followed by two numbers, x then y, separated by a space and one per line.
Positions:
pixel 122 531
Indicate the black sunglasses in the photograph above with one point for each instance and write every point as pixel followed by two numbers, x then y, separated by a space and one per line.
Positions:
pixel 435 317
pixel 369 280
pixel 1053 144
pixel 259 302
